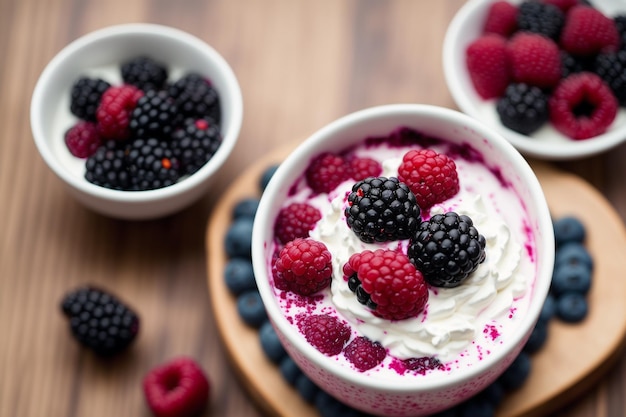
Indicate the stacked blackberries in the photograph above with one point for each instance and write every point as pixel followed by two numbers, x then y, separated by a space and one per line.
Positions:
pixel 145 73
pixel 85 97
pixel 107 167
pixel 195 143
pixel 523 108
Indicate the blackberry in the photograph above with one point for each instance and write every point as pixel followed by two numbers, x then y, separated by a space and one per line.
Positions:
pixel 611 67
pixel 107 166
pixel 85 97
pixel 196 97
pixel 620 24
pixel 447 249
pixel 361 295
pixel 542 18
pixel 523 108
pixel 151 164
pixel 195 144
pixel 382 209
pixel 145 73
pixel 155 115
pixel 571 64
pixel 99 320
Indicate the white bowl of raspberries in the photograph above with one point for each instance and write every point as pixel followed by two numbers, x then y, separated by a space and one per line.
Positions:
pixel 136 119
pixel 549 75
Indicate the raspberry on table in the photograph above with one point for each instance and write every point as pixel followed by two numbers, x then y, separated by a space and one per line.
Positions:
pixel 487 64
pixel 588 32
pixel 155 115
pixel 326 333
pixel 534 59
pixel 381 209
pixel 364 353
pixel 361 168
pixel 178 388
pixel 295 221
pixel 389 283
pixel 83 139
pixel 326 172
pixel 611 67
pixel 431 176
pixel 108 167
pixel 85 97
pixel 541 18
pixel 304 265
pixel 115 109
pixel 145 73
pixel 195 143
pixel 501 18
pixel 151 164
pixel 582 106
pixel 523 108
pixel 196 97
pixel 100 321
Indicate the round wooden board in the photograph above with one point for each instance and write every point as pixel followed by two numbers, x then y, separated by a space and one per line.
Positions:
pixel 572 360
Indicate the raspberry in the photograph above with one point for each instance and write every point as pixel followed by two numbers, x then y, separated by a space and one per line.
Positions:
pixel 304 266
pixel 178 388
pixel 534 59
pixel 523 108
pixel 195 143
pixel 326 333
pixel 196 97
pixel 326 172
pixel 107 167
pixel 100 321
pixel 361 168
pixel 588 32
pixel 423 364
pixel 85 97
pixel 145 73
pixel 83 139
pixel 364 354
pixel 154 116
pixel 151 164
pixel 582 106
pixel 431 176
pixel 395 288
pixel 295 221
pixel 488 65
pixel 382 209
pixel 447 249
pixel 501 18
pixel 116 106
pixel 541 18
pixel 611 67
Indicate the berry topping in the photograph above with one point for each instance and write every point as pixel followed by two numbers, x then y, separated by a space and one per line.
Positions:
pixel 145 73
pixel 389 283
pixel 326 333
pixel 155 115
pixel 116 106
pixel 195 143
pixel 487 65
pixel 364 354
pixel 534 59
pixel 501 18
pixel 588 32
pixel 611 67
pixel 83 139
pixel 85 97
pixel 196 97
pixel 563 5
pixel 447 249
pixel 304 266
pixel 382 209
pixel 151 164
pixel 326 172
pixel 431 176
pixel 523 108
pixel 295 220
pixel 361 168
pixel 178 388
pixel 100 321
pixel 582 106
pixel 423 364
pixel 541 18
pixel 107 166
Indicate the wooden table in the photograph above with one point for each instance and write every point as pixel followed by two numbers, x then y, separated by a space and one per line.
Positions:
pixel 300 65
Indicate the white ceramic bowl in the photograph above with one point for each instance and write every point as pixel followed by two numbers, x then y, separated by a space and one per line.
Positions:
pixel 411 396
pixel 547 142
pixel 99 54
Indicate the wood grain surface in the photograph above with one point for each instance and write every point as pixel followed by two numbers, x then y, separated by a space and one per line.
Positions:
pixel 301 64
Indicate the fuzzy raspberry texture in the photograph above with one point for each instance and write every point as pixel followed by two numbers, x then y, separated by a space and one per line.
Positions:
pixel 582 106
pixel 431 176
pixel 115 110
pixel 501 18
pixel 364 354
pixel 304 266
pixel 326 333
pixel 294 221
pixel 392 282
pixel 326 172
pixel 487 64
pixel 534 60
pixel 588 32
pixel 178 388
pixel 361 168
pixel 83 139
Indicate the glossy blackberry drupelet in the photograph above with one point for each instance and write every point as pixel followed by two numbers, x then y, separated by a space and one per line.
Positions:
pixel 154 116
pixel 144 73
pixel 100 321
pixel 620 24
pixel 151 164
pixel 85 97
pixel 196 97
pixel 542 18
pixel 611 67
pixel 361 295
pixel 195 143
pixel 382 209
pixel 107 167
pixel 447 249
pixel 571 64
pixel 523 108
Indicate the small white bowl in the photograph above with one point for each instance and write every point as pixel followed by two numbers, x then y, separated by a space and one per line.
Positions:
pixel 547 142
pixel 410 396
pixel 99 54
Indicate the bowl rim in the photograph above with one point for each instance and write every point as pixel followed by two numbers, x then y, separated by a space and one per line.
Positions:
pixel 294 161
pixel 229 137
pixel 454 72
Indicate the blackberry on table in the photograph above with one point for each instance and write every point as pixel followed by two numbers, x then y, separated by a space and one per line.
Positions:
pixel 145 73
pixel 611 67
pixel 151 164
pixel 196 97
pixel 85 97
pixel 100 321
pixel 545 19
pixel 154 116
pixel 107 166
pixel 523 108
pixel 195 143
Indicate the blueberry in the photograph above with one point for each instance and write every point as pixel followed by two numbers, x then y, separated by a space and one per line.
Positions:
pixel 289 369
pixel 251 309
pixel 266 176
pixel 477 407
pixel 549 308
pixel 517 373
pixel 307 388
pixel 328 406
pixel 537 338
pixel 568 229
pixel 270 343
pixel 246 208
pixel 573 254
pixel 238 240
pixel 572 307
pixel 494 393
pixel 239 275
pixel 450 412
pixel 571 278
